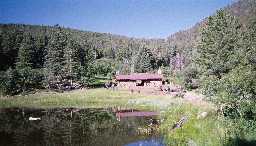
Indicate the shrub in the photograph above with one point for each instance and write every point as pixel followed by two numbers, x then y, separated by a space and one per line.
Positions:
pixel 13 81
pixel 240 132
pixel 210 86
pixel 191 75
pixel 8 82
pixel 237 92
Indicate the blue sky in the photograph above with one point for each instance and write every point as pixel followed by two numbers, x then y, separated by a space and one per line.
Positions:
pixel 135 18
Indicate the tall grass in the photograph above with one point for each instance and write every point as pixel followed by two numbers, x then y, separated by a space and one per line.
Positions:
pixel 213 130
pixel 92 98
pixel 208 131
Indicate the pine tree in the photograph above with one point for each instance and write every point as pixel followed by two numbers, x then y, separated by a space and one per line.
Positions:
pixel 55 59
pixel 39 52
pixel 172 59
pixel 250 42
pixel 226 55
pixel 221 40
pixel 71 66
pixel 9 82
pixel 23 64
pixel 85 67
pixel 144 60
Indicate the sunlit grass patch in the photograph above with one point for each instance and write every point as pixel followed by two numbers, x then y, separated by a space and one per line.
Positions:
pixel 200 131
pixel 91 98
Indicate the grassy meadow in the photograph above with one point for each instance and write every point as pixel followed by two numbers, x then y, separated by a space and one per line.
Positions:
pixel 91 98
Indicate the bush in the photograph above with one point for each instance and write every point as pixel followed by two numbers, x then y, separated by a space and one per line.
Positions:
pixel 237 92
pixel 37 78
pixel 13 82
pixel 240 132
pixel 178 79
pixel 234 92
pixel 191 76
pixel 210 86
pixel 102 67
pixel 8 82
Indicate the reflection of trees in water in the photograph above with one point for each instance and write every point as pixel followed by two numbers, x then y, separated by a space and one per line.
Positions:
pixel 19 129
pixel 57 127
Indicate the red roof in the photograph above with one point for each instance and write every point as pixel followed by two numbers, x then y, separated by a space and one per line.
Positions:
pixel 136 114
pixel 140 76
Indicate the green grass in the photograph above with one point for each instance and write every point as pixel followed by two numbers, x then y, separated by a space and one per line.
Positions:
pixel 99 81
pixel 91 98
pixel 213 130
pixel 208 131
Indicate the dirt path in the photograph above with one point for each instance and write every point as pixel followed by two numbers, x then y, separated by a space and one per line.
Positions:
pixel 196 99
pixel 162 100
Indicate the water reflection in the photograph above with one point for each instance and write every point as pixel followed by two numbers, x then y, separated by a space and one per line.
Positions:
pixel 148 142
pixel 59 127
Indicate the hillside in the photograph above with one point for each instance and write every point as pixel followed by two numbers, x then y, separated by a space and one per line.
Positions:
pixel 242 9
pixel 104 45
pixel 120 52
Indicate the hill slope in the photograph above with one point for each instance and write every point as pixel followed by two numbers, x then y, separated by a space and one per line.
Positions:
pixel 242 9
pixel 118 48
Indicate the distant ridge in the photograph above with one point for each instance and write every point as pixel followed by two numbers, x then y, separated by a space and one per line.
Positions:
pixel 107 46
pixel 242 9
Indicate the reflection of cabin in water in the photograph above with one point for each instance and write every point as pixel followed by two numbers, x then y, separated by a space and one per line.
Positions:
pixel 139 79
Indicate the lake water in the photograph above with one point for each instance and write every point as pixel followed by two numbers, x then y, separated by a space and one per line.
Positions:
pixel 88 127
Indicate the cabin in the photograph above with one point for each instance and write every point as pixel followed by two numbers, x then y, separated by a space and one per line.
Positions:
pixel 139 79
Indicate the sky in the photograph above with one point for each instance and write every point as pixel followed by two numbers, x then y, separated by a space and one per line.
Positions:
pixel 133 18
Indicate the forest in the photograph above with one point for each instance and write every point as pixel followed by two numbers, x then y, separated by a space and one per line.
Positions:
pixel 50 57
pixel 217 56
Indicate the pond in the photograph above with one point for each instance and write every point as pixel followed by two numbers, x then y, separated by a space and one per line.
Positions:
pixel 89 127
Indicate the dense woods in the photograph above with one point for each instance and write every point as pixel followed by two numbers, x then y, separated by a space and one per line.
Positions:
pixel 227 68
pixel 217 56
pixel 55 57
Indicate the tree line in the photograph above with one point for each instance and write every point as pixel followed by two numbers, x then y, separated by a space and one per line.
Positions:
pixel 225 67
pixel 227 64
pixel 53 57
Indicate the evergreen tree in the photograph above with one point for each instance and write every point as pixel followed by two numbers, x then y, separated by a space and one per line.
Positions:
pixel 9 82
pixel 144 62
pixel 71 62
pixel 172 58
pixel 55 59
pixel 23 64
pixel 86 71
pixel 250 43
pixel 227 57
pixel 39 52
pixel 25 53
pixel 221 40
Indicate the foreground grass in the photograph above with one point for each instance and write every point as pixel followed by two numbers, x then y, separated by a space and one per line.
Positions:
pixel 91 98
pixel 213 130
pixel 199 131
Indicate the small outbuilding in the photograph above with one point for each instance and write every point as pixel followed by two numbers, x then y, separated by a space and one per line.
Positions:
pixel 139 79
